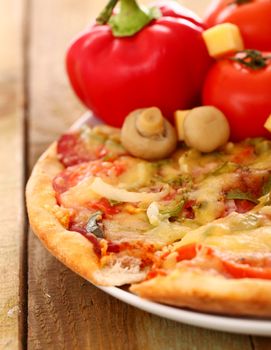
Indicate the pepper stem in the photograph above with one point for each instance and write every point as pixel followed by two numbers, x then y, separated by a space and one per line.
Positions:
pixel 131 18
pixel 252 59
pixel 106 13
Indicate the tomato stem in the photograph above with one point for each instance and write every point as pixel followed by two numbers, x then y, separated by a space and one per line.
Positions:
pixel 239 2
pixel 251 58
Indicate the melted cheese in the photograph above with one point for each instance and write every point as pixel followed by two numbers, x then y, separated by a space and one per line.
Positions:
pixel 125 227
pixel 246 233
pixel 192 162
pixel 263 161
pixel 79 194
pixel 208 197
pixel 167 232
pixel 138 174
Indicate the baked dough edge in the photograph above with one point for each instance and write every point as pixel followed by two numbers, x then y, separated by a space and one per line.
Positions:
pixel 70 247
pixel 205 291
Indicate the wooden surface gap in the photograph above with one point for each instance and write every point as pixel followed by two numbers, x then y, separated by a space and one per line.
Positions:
pixel 26 41
pixel 26 79
pixel 252 342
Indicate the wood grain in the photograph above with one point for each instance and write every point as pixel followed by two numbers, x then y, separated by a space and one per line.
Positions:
pixel 261 343
pixel 64 311
pixel 11 174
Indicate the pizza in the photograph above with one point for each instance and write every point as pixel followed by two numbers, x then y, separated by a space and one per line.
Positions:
pixel 192 229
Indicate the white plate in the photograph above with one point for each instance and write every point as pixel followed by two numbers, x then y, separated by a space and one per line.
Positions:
pixel 204 320
pixel 193 318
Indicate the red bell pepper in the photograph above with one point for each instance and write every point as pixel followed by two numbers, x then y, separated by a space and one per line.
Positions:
pixel 174 9
pixel 139 58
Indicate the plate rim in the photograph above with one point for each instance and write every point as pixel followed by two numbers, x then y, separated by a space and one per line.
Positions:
pixel 231 324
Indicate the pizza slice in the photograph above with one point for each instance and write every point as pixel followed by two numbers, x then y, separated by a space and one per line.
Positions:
pixel 222 267
pixel 87 201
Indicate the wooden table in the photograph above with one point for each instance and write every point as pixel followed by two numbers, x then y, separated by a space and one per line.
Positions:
pixel 43 305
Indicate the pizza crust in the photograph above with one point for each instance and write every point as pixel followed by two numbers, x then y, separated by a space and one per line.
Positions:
pixel 204 291
pixel 70 247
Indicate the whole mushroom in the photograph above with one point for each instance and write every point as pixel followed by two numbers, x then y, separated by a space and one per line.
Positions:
pixel 203 128
pixel 147 134
pixel 206 128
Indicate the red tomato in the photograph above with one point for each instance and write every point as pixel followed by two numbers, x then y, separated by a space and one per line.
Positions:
pixel 187 252
pixel 238 270
pixel 259 268
pixel 248 268
pixel 253 17
pixel 243 205
pixel 241 92
pixel 155 273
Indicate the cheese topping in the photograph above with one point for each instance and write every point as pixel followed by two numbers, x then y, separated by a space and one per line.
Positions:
pixel 238 233
pixel 182 199
pixel 223 39
pixel 209 197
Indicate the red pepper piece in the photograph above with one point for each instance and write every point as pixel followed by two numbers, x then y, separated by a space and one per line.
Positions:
pixel 104 205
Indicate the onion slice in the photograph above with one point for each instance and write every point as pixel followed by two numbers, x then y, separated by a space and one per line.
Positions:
pixel 118 194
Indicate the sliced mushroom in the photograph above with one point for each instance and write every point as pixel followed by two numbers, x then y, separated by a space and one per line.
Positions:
pixel 205 128
pixel 147 134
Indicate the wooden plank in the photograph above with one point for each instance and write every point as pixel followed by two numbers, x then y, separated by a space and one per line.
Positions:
pixel 12 173
pixel 65 312
pixel 261 343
